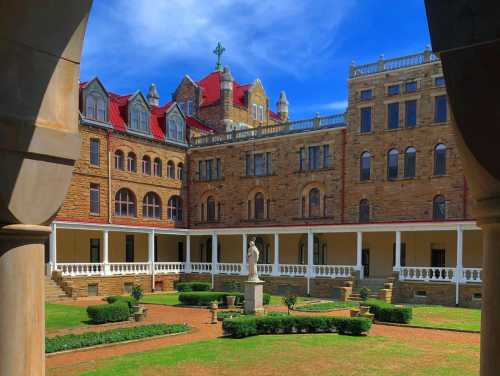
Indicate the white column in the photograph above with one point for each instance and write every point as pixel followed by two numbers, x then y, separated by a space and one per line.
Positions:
pixel 188 254
pixel 105 252
pixel 214 257
pixel 53 249
pixel 151 257
pixel 276 268
pixel 359 253
pixel 458 271
pixel 310 260
pixel 397 265
pixel 244 267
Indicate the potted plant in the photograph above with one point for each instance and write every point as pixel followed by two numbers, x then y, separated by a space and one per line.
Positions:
pixel 137 293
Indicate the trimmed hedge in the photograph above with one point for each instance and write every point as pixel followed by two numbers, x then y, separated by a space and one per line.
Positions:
pixel 102 313
pixel 387 312
pixel 204 298
pixel 125 299
pixel 193 286
pixel 253 325
pixel 76 341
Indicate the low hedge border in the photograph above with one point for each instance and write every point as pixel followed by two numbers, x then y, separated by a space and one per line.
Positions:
pixel 125 299
pixel 254 325
pixel 386 312
pixel 193 286
pixel 89 339
pixel 204 298
pixel 103 313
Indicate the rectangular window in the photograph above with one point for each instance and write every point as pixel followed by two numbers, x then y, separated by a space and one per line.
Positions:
pixel 393 115
pixel 393 89
pixel 366 94
pixel 441 109
pixel 366 120
pixel 269 163
pixel 249 164
pixel 327 159
pixel 260 164
pixel 190 107
pixel 254 111
pixel 411 87
pixel 201 170
pixel 438 258
pixel 209 164
pixel 410 114
pixel 261 113
pixel 129 248
pixel 95 250
pixel 439 81
pixel 314 158
pixel 94 151
pixel 302 159
pixel 94 199
pixel 182 106
pixel 218 169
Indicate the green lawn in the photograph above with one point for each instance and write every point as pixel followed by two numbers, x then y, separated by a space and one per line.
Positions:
pixel 313 354
pixel 61 316
pixel 446 317
pixel 325 306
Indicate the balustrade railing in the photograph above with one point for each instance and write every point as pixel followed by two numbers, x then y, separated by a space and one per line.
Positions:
pixel 169 267
pixel 201 267
pixel 129 268
pixel 417 273
pixel 265 269
pixel 74 269
pixel 229 268
pixel 472 275
pixel 293 270
pixel 333 271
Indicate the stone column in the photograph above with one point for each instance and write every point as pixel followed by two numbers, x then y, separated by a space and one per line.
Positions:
pixel 458 270
pixel 397 265
pixel 359 253
pixel 105 252
pixel 188 254
pixel 244 267
pixel 276 268
pixel 310 259
pixel 53 249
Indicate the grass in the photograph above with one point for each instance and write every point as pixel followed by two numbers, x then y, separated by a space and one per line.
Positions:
pixel 302 354
pixel 446 317
pixel 61 316
pixel 325 306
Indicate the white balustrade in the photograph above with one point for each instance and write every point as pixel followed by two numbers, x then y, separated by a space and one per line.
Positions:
pixel 472 275
pixel 422 273
pixel 129 268
pixel 79 268
pixel 333 271
pixel 169 267
pixel 201 267
pixel 229 268
pixel 293 270
pixel 265 269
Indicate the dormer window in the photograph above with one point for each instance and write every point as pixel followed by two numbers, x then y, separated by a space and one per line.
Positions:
pixel 176 129
pixel 139 119
pixel 190 107
pixel 96 107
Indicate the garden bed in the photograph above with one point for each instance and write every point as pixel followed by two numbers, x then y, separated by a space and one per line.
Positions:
pixel 326 306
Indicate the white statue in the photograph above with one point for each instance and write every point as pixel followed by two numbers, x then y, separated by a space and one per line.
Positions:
pixel 252 259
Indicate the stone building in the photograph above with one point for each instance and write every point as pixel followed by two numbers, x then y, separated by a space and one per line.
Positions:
pixel 174 191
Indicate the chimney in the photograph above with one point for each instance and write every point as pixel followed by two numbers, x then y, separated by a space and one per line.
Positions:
pixel 282 106
pixel 226 94
pixel 153 96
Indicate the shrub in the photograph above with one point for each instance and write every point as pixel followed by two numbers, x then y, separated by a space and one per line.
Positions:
pixel 289 301
pixel 232 286
pixel 75 341
pixel 102 313
pixel 253 325
pixel 364 293
pixel 193 286
pixel 387 312
pixel 137 293
pixel 204 298
pixel 124 299
pixel 228 314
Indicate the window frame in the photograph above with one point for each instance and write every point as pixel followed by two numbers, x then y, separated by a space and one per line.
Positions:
pixel 364 211
pixel 363 176
pixel 129 202
pixel 365 114
pixel 94 201
pixel 439 208
pixel 440 157
pixel 392 171
pixel 151 204
pixel 393 112
pixel 95 156
pixel 441 108
pixel 174 209
pixel 410 162
pixel 408 112
pixel 119 160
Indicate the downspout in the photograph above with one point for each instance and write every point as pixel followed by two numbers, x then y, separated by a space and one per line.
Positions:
pixel 342 195
pixel 109 176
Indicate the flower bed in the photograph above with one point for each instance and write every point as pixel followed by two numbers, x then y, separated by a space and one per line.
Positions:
pixel 387 312
pixel 325 306
pixel 254 325
pixel 75 341
pixel 204 298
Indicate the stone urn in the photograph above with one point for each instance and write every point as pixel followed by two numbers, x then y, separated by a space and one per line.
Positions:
pixel 230 300
pixel 136 308
pixel 364 309
pixel 213 305
pixel 139 316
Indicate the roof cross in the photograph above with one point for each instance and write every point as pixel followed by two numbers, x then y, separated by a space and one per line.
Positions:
pixel 219 50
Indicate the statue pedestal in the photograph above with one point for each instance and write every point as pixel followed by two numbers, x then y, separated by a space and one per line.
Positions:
pixel 253 297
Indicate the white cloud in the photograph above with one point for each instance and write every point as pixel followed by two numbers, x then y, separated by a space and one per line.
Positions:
pixel 287 35
pixel 335 105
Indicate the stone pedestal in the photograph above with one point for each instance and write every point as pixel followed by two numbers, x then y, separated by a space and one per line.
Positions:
pixel 254 297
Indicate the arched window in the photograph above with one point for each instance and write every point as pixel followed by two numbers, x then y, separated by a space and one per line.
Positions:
pixel 125 203
pixel 211 209
pixel 131 162
pixel 119 160
pixel 440 159
pixel 151 206
pixel 439 208
pixel 314 202
pixel 157 167
pixel 90 110
pixel 146 165
pixel 175 208
pixel 410 162
pixel 365 166
pixel 180 171
pixel 171 170
pixel 259 206
pixel 364 211
pixel 392 164
pixel 101 109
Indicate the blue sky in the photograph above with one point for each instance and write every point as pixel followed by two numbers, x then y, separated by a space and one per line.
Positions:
pixel 302 47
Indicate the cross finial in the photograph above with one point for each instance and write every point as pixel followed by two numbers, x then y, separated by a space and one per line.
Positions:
pixel 219 50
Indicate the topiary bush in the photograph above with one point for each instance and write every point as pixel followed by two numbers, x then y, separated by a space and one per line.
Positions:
pixel 253 325
pixel 193 286
pixel 137 293
pixel 204 298
pixel 103 313
pixel 130 301
pixel 387 312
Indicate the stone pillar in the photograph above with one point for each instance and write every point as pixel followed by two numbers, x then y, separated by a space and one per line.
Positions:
pixel 214 257
pixel 310 259
pixel 188 254
pixel 397 265
pixel 244 267
pixel 105 252
pixel 359 253
pixel 458 270
pixel 276 267
pixel 53 249
pixel 151 257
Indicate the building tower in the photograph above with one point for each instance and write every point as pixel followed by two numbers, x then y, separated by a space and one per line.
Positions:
pixel 282 106
pixel 153 96
pixel 226 87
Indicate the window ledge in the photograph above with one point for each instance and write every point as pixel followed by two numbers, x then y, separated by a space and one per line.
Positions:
pixel 408 178
pixel 446 122
pixel 257 176
pixel 265 220
pixel 312 171
pixel 365 133
pixel 438 176
pixel 94 214
pixel 312 218
pixel 366 181
pixel 394 129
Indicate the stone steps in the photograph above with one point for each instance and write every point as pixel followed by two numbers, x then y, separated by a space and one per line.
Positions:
pixel 53 293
